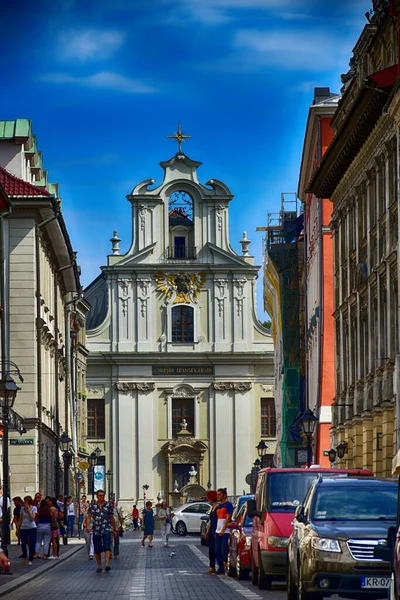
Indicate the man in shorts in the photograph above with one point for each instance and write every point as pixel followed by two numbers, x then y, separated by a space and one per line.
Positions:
pixel 100 513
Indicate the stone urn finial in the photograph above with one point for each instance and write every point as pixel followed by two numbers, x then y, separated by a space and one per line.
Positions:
pixel 115 240
pixel 245 244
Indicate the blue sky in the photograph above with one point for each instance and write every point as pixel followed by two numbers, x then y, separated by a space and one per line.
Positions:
pixel 105 81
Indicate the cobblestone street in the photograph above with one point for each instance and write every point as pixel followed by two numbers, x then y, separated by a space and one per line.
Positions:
pixel 143 573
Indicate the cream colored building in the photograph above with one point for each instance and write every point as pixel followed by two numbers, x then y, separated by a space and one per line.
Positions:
pixel 43 305
pixel 174 338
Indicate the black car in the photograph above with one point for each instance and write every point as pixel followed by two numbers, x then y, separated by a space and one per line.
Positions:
pixel 335 532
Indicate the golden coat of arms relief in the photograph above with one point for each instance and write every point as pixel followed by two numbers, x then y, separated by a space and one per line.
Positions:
pixel 180 287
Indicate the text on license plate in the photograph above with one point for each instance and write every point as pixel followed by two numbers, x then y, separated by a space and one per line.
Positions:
pixel 375 582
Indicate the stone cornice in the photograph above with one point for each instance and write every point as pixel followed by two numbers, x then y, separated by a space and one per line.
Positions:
pixel 132 386
pixel 238 386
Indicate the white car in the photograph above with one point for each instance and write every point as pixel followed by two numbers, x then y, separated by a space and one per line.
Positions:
pixel 186 518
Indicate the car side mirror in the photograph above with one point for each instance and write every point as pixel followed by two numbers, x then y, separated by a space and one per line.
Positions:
pixel 204 518
pixel 382 552
pixel 252 509
pixel 299 514
pixel 232 525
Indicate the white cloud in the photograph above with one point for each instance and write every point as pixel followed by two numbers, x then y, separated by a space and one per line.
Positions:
pixel 91 44
pixel 292 49
pixel 104 80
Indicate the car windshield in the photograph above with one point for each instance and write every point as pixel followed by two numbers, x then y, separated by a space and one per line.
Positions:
pixel 355 503
pixel 286 491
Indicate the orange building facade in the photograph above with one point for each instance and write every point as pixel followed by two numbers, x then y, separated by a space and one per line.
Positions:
pixel 319 286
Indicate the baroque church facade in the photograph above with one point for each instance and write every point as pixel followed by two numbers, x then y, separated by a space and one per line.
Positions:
pixel 180 370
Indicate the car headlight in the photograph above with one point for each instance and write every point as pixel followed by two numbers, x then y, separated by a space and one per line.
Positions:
pixel 325 544
pixel 248 540
pixel 278 542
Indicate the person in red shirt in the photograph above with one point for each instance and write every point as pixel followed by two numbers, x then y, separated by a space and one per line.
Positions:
pixel 224 513
pixel 135 517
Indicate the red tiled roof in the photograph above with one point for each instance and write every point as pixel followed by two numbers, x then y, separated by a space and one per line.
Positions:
pixel 14 186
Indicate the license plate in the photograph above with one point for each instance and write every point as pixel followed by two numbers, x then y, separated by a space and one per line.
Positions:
pixel 375 582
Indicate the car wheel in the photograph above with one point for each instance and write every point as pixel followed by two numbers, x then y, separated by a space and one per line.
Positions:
pixel 231 570
pixel 181 528
pixel 301 592
pixel 264 581
pixel 291 587
pixel 254 573
pixel 240 573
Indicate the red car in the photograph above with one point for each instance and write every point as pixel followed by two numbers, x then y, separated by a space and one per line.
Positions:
pixel 239 564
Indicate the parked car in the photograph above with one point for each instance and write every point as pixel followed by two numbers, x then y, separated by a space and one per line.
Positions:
pixel 204 519
pixel 278 493
pixel 331 549
pixel 239 503
pixel 186 518
pixel 239 564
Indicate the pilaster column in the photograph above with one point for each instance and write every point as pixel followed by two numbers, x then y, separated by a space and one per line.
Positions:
pixel 368 432
pixel 387 438
pixel 169 417
pixel 377 442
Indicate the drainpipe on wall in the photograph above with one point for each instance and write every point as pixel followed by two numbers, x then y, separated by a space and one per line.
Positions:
pixel 57 394
pixel 69 400
pixel 39 361
pixel 396 373
pixel 321 301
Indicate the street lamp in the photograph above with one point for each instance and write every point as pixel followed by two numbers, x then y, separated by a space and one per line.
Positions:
pixel 262 451
pixel 65 443
pixel 8 393
pixel 332 455
pixel 308 422
pixel 341 450
pixel 98 452
pixel 109 476
pixel 145 488
pixel 93 462
pixel 254 474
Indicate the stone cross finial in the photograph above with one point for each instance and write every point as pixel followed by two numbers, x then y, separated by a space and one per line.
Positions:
pixel 115 240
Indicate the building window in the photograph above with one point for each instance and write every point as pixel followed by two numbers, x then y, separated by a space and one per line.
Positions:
pixel 182 324
pixel 96 426
pixel 268 417
pixel 182 408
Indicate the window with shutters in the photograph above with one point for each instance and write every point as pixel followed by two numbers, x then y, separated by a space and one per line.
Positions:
pixel 96 426
pixel 268 417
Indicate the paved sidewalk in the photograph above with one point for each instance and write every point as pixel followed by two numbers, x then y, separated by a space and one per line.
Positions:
pixel 22 573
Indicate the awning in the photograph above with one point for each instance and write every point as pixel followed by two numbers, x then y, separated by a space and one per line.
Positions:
pixel 386 77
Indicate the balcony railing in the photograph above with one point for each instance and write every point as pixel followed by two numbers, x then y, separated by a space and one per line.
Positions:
pixel 180 252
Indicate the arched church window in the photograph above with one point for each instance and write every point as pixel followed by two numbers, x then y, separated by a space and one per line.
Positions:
pixel 182 323
pixel 181 227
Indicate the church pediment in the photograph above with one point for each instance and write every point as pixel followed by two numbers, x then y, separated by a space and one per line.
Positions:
pixel 138 257
pixel 225 258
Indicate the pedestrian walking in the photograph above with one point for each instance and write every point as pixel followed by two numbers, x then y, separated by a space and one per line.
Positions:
pixel 43 529
pixel 224 513
pixel 119 520
pixel 18 502
pixel 37 499
pixel 165 522
pixel 211 527
pixel 83 508
pixel 135 517
pixel 148 524
pixel 71 514
pixel 100 514
pixel 55 529
pixel 28 529
pixel 88 535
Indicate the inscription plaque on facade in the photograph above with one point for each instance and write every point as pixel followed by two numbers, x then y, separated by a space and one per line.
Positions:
pixel 175 370
pixel 21 441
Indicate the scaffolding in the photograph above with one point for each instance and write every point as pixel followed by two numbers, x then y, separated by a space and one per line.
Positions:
pixel 284 256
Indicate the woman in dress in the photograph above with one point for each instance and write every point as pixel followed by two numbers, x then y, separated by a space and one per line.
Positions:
pixel 43 529
pixel 165 522
pixel 148 524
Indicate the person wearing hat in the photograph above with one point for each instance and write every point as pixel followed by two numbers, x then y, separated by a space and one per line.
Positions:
pixel 212 525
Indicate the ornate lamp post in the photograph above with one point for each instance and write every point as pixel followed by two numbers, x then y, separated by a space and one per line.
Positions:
pixel 8 393
pixel 332 455
pixel 254 474
pixel 109 476
pixel 93 462
pixel 66 444
pixel 262 451
pixel 145 488
pixel 308 422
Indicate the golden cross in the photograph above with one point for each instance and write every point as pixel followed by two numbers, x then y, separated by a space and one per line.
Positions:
pixel 179 137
